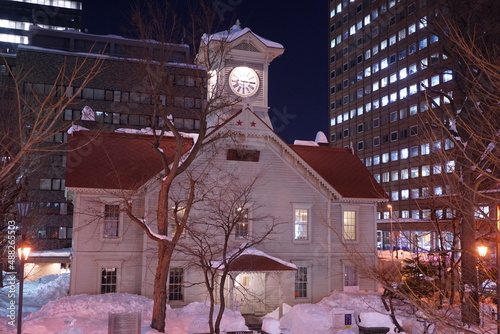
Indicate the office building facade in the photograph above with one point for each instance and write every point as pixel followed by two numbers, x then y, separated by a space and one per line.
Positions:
pixel 16 16
pixel 385 62
pixel 116 98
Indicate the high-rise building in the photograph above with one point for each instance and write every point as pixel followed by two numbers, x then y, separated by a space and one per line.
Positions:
pixel 16 16
pixel 116 98
pixel 383 59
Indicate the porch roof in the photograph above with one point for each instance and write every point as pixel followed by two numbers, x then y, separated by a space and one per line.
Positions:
pixel 259 263
pixel 253 260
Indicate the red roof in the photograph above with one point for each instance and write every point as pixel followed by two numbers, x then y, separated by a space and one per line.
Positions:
pixel 251 262
pixel 342 170
pixel 110 160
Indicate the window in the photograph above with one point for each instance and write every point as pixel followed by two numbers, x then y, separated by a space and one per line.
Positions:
pixel 376 122
pixel 108 280
pixel 349 224
pixel 404 174
pixel 394 175
pixel 111 221
pixel 414 130
pixel 414 172
pixel 52 184
pixel 376 141
pixel 395 195
pixel 301 282
pixel 394 155
pixel 426 170
pixel 241 230
pixel 404 153
pixel 350 276
pixel 301 224
pixel 385 177
pixel 176 219
pixel 405 194
pixel 393 116
pixel 360 127
pixel 394 135
pixel 175 287
pixel 422 44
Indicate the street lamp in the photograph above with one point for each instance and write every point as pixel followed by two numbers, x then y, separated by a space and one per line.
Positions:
pixel 482 249
pixel 23 253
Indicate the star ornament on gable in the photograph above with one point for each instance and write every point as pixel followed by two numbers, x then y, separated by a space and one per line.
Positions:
pixel 253 124
pixel 239 123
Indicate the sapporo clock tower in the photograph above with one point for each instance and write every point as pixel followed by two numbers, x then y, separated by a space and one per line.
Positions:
pixel 243 70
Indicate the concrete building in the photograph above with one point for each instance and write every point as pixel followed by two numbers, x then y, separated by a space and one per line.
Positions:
pixel 383 57
pixel 17 16
pixel 117 97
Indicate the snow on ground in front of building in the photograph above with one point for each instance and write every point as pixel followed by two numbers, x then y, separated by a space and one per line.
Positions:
pixel 48 310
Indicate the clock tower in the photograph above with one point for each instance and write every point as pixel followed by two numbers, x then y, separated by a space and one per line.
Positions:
pixel 237 61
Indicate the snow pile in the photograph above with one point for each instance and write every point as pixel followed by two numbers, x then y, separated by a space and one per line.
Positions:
pixel 89 314
pixel 307 318
pixel 319 318
pixel 194 319
pixel 85 313
pixel 50 287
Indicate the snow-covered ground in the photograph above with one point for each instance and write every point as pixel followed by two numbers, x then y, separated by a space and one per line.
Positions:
pixel 47 309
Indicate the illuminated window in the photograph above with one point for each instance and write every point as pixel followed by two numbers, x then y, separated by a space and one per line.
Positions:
pixel 405 194
pixel 301 279
pixel 395 195
pixel 404 174
pixel 385 177
pixel 349 225
pixel 404 153
pixel 241 230
pixel 301 224
pixel 108 280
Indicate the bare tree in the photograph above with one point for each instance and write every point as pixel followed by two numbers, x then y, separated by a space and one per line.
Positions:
pixel 30 117
pixel 158 78
pixel 468 118
pixel 226 224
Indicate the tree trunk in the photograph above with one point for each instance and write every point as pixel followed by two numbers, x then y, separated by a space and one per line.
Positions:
pixel 160 286
pixel 469 288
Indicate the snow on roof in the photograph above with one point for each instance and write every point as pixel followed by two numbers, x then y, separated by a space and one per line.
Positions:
pixel 305 142
pixel 63 252
pixel 321 138
pixel 236 32
pixel 252 259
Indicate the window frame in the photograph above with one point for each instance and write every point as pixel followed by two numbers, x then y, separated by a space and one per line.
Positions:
pixel 119 226
pixel 176 288
pixel 307 282
pixel 353 234
pixel 350 287
pixel 295 208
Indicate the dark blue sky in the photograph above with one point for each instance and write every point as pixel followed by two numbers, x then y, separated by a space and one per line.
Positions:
pixel 298 87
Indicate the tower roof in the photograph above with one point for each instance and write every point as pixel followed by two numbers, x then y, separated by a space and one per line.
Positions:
pixel 235 33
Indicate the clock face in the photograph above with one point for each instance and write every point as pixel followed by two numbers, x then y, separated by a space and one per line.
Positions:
pixel 244 81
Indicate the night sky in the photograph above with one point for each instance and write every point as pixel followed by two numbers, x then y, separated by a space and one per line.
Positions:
pixel 298 87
